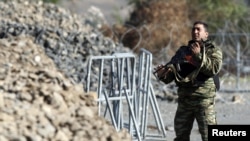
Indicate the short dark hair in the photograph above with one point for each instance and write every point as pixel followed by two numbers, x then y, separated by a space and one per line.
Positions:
pixel 203 23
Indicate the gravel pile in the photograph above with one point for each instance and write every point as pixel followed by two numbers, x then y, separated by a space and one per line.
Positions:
pixel 43 51
pixel 68 45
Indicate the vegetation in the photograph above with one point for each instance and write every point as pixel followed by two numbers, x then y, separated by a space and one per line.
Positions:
pixel 155 25
pixel 158 25
pixel 218 13
pixel 221 14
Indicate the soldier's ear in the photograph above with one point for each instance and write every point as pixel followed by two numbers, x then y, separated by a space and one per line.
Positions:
pixel 207 33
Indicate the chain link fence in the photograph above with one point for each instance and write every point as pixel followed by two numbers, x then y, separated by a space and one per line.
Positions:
pixel 235 73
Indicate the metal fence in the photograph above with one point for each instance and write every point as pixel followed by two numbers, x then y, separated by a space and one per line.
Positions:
pixel 235 74
pixel 125 93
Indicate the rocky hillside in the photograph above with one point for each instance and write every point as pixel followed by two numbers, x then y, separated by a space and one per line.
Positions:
pixel 43 50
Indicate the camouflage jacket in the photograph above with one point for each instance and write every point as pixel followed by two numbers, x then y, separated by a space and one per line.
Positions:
pixel 195 77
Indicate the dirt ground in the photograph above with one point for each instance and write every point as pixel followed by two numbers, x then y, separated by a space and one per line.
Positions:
pixel 231 108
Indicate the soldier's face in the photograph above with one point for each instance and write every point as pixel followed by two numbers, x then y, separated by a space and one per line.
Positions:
pixel 199 32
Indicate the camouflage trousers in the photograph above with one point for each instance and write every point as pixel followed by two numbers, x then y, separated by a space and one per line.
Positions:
pixel 188 110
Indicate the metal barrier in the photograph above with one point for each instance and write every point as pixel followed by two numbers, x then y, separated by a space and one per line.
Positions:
pixel 125 92
pixel 235 72
pixel 145 95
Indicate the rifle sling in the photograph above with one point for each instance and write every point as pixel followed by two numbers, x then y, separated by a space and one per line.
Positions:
pixel 192 76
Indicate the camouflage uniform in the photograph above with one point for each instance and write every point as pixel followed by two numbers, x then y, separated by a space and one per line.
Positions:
pixel 196 92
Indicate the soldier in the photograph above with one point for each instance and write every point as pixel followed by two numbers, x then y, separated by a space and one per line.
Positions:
pixel 194 69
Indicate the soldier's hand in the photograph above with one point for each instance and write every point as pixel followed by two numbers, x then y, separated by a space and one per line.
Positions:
pixel 161 71
pixel 196 48
pixel 159 67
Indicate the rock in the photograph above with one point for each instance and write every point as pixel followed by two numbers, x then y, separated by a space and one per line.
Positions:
pixel 237 99
pixel 40 97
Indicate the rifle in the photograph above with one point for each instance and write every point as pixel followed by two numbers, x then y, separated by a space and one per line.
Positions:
pixel 182 56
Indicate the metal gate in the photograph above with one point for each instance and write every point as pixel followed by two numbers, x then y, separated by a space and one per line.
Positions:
pixel 125 93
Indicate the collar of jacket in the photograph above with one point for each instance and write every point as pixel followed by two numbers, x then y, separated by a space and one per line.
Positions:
pixel 207 43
